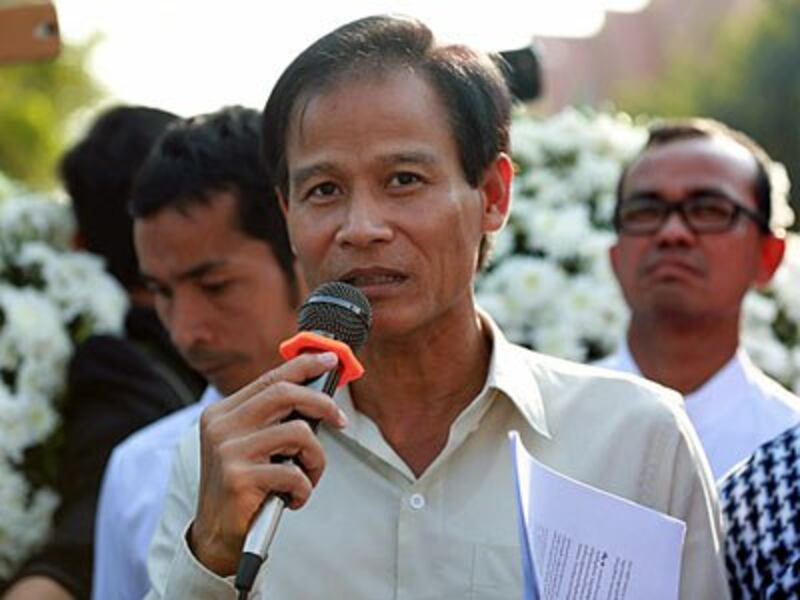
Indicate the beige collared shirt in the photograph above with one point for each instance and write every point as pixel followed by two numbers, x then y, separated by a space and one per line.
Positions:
pixel 372 530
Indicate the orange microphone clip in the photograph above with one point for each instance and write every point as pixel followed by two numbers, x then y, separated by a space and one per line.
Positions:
pixel 308 341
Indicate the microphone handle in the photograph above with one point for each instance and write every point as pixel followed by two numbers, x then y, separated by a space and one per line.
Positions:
pixel 265 524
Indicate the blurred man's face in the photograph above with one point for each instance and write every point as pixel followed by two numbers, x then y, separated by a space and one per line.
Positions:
pixel 677 271
pixel 221 293
pixel 377 198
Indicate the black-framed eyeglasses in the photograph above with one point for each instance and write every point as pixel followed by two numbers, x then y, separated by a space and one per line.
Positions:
pixel 701 214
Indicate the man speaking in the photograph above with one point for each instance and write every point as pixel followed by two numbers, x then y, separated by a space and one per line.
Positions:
pixel 390 156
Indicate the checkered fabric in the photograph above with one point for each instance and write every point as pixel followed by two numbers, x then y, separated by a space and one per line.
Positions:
pixel 761 505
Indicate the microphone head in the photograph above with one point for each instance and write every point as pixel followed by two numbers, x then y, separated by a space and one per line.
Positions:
pixel 339 311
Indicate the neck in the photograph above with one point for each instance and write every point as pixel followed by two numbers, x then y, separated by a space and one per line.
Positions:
pixel 418 385
pixel 682 354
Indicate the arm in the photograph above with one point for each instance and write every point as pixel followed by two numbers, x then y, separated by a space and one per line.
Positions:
pixel 201 532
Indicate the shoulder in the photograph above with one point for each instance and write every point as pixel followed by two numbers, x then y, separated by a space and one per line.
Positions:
pixel 759 541
pixel 114 369
pixel 620 433
pixel 162 436
pixel 614 413
pixel 773 391
pixel 561 381
pixel 772 460
pixel 106 350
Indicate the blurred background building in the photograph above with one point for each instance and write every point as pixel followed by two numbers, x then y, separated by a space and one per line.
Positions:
pixel 632 49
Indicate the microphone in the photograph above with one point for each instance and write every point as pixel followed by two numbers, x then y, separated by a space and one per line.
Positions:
pixel 336 317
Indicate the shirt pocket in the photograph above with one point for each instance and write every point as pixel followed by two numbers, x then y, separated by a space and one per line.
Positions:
pixel 496 572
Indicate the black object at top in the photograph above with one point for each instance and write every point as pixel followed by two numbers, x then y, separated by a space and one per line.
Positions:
pixel 337 310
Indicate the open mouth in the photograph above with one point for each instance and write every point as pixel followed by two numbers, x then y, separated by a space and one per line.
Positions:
pixel 373 278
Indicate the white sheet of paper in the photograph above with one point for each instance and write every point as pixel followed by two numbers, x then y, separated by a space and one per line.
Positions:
pixel 579 542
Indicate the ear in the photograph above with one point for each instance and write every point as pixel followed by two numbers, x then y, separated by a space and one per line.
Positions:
pixel 771 255
pixel 282 200
pixel 495 190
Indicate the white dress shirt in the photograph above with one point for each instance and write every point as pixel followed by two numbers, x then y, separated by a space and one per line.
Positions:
pixel 373 530
pixel 131 500
pixel 734 412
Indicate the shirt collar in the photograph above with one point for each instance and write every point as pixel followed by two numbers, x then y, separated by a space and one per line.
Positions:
pixel 509 373
pixel 733 377
pixel 210 395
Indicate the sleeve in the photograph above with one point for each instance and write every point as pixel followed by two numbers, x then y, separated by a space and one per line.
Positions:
pixel 112 393
pixel 174 572
pixel 693 499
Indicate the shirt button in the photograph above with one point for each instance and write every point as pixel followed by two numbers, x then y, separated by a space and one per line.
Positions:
pixel 417 501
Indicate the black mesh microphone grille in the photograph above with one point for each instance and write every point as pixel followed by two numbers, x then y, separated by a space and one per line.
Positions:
pixel 337 310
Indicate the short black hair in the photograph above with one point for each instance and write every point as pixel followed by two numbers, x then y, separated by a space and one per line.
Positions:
pixel 208 154
pixel 471 86
pixel 771 198
pixel 98 174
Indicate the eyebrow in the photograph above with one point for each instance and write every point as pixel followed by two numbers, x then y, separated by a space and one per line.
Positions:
pixel 194 272
pixel 423 158
pixel 694 193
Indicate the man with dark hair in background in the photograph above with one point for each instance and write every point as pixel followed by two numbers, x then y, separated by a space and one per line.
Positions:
pixel 700 218
pixel 115 385
pixel 390 156
pixel 213 249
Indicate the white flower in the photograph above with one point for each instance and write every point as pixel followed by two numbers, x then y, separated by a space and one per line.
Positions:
pixel 559 232
pixel 768 353
pixel 782 215
pixel 33 218
pixel 78 285
pixel 758 311
pixel 25 517
pixel 559 339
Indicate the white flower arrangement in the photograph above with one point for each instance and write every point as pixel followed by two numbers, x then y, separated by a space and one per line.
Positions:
pixel 51 298
pixel 550 284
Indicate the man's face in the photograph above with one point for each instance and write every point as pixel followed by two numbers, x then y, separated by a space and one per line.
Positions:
pixel 674 271
pixel 377 198
pixel 220 293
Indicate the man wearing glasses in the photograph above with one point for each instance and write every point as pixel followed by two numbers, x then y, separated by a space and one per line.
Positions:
pixel 700 216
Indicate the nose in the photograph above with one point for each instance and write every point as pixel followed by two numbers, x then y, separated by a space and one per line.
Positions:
pixel 187 323
pixel 675 230
pixel 365 222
